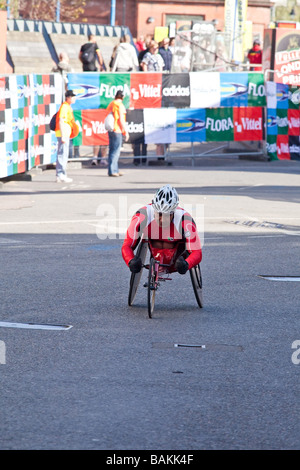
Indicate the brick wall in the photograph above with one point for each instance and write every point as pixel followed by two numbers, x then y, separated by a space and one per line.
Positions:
pixel 137 11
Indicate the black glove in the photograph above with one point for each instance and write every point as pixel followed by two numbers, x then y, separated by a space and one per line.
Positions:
pixel 135 265
pixel 181 265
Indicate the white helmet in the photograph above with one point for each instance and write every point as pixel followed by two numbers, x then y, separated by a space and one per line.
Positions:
pixel 166 199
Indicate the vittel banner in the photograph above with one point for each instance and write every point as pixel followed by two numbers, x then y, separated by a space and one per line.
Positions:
pixel 91 127
pixel 176 90
pixel 146 90
pixel 158 90
pixel 248 124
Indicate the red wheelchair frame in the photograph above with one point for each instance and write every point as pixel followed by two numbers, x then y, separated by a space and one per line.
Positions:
pixel 158 272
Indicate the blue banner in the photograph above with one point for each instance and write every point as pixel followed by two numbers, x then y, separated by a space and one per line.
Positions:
pixel 191 125
pixel 86 86
pixel 234 89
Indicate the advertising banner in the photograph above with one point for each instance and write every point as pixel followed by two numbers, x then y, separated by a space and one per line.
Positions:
pixel 283 121
pixel 86 86
pixel 45 99
pixel 145 90
pixel 135 125
pixel 160 125
pixel 248 124
pixel 91 127
pixel 155 90
pixel 287 56
pixel 164 108
pixel 234 89
pixel 219 125
pixel 205 89
pixel 110 83
pixel 176 90
pixel 191 125
pixel 235 15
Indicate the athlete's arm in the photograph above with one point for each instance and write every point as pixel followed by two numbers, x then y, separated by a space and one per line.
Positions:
pixel 133 235
pixel 192 241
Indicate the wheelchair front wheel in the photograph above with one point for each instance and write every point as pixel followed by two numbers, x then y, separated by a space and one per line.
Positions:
pixel 196 279
pixel 151 287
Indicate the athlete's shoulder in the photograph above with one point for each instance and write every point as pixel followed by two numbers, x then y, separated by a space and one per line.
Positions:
pixel 142 210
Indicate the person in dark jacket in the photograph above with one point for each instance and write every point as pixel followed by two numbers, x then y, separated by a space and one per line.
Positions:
pixel 166 54
pixel 89 54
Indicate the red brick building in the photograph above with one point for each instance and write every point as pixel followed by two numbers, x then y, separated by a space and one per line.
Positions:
pixel 141 16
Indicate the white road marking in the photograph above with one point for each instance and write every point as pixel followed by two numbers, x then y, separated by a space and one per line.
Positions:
pixel 33 326
pixel 281 278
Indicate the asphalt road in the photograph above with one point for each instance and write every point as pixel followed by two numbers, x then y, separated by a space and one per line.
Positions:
pixel 115 380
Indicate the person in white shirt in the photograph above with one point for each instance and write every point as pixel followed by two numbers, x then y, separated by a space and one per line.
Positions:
pixel 125 57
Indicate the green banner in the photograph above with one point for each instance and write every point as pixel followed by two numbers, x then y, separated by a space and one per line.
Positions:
pixel 110 83
pixel 272 147
pixel 256 90
pixel 282 121
pixel 78 119
pixel 219 125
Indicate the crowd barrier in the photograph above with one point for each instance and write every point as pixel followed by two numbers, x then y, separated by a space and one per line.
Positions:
pixel 161 109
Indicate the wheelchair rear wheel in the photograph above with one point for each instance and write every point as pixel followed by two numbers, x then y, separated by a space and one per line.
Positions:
pixel 196 279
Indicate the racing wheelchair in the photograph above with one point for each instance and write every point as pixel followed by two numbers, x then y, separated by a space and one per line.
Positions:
pixel 157 273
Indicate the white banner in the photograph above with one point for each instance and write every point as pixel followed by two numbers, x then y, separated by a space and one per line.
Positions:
pixel 205 89
pixel 160 125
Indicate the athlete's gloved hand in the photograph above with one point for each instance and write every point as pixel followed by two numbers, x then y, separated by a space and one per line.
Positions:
pixel 181 265
pixel 135 265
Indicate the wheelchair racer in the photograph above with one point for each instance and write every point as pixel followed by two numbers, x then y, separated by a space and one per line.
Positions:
pixel 171 231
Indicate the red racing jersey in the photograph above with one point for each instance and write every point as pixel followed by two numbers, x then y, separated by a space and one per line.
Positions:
pixel 182 229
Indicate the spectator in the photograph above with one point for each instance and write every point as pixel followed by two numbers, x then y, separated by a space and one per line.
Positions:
pixel 63 67
pixel 166 54
pixel 115 136
pixel 125 59
pixel 139 148
pixel 152 61
pixel 88 55
pixel 113 55
pixel 172 45
pixel 65 129
pixel 255 56
pixel 140 44
pixel 185 56
pixel 142 53
pixel 99 155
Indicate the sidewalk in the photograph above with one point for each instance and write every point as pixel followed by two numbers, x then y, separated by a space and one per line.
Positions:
pixel 186 154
